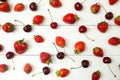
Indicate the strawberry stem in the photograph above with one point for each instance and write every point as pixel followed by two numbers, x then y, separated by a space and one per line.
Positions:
pixel 102 6
pixel 111 71
pixel 76 67
pixel 68 56
pixel 20 22
pixel 36 74
pixel 88 37
pixel 50 15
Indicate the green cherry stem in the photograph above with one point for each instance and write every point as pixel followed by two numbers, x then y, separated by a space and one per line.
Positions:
pixel 36 74
pixel 111 71
pixel 39 2
pixel 83 1
pixel 76 67
pixel 50 15
pixel 102 7
pixel 13 64
pixel 19 22
pixel 55 47
pixel 88 37
pixel 68 56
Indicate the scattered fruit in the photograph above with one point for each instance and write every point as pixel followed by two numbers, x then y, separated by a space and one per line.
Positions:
pixel 10 55
pixel 79 47
pixel 63 72
pixel 53 24
pixel 45 70
pixel 84 64
pixel 1 47
pixel 83 29
pixel 38 38
pixel 4 7
pixel 34 6
pixel 114 41
pixel 95 8
pixel 112 2
pixel 96 75
pixel 3 68
pixel 27 68
pixel 45 57
pixel 97 51
pixel 55 3
pixel 38 19
pixel 107 60
pixel 102 26
pixel 117 20
pixel 70 18
pixel 19 7
pixel 20 46
pixel 26 28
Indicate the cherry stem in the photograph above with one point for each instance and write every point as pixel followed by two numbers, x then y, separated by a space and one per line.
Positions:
pixel 88 37
pixel 68 56
pixel 13 64
pixel 39 2
pixel 83 1
pixel 76 67
pixel 36 74
pixel 55 47
pixel 111 71
pixel 102 7
pixel 50 15
pixel 19 22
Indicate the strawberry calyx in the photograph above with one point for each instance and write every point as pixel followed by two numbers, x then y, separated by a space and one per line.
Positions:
pixel 49 61
pixel 76 17
pixel 98 72
pixel 117 18
pixel 57 73
pixel 50 1
pixel 21 41
pixel 76 51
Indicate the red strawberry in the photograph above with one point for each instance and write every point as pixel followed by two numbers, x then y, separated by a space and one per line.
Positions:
pixel 19 7
pixel 55 3
pixel 38 19
pixel 3 68
pixel 8 27
pixel 79 47
pixel 114 41
pixel 117 20
pixel 60 41
pixel 20 46
pixel 27 68
pixel 111 2
pixel 63 72
pixel 97 51
pixel 70 18
pixel 45 57
pixel 95 8
pixel 102 26
pixel 38 38
pixel 4 7
pixel 96 75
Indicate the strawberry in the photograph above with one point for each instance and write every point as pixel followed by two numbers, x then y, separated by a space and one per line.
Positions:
pixel 27 68
pixel 102 26
pixel 55 3
pixel 95 8
pixel 114 41
pixel 79 47
pixel 8 27
pixel 4 7
pixel 70 18
pixel 38 19
pixel 20 46
pixel 3 68
pixel 117 20
pixel 19 7
pixel 112 2
pixel 97 51
pixel 63 72
pixel 96 75
pixel 38 38
pixel 45 57
pixel 60 41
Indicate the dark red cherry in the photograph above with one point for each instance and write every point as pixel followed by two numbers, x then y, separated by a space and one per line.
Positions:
pixel 27 28
pixel 109 15
pixel 85 63
pixel 60 55
pixel 78 6
pixel 54 25
pixel 33 6
pixel 46 70
pixel 106 60
pixel 82 29
pixel 10 55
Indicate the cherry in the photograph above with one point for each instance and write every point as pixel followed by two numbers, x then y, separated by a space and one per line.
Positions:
pixel 34 6
pixel 107 60
pixel 10 55
pixel 109 15
pixel 83 29
pixel 78 6
pixel 1 47
pixel 45 70
pixel 53 25
pixel 26 28
pixel 3 0
pixel 60 55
